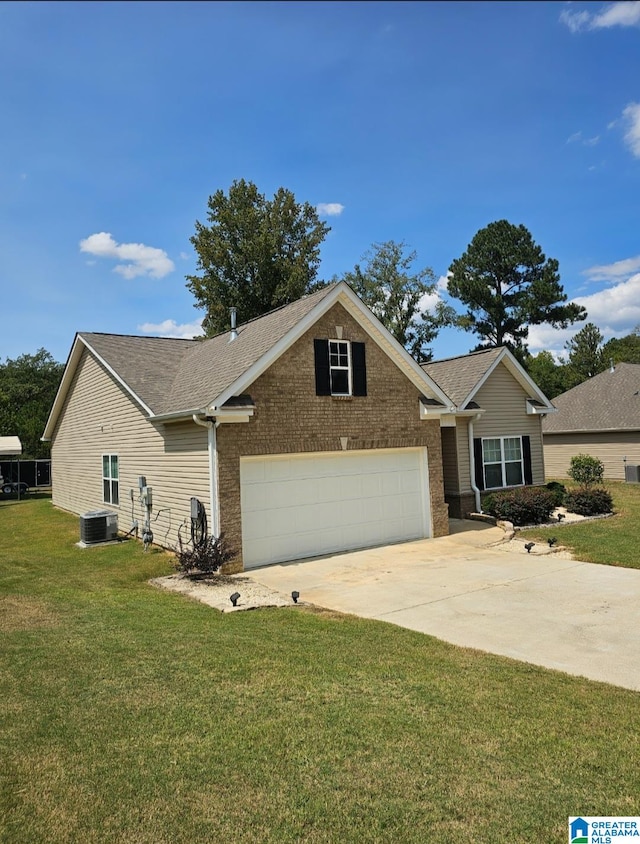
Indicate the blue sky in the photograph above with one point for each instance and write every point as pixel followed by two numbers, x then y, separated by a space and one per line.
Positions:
pixel 418 122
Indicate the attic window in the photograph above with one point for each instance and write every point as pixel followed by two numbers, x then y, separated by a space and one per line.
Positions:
pixel 340 368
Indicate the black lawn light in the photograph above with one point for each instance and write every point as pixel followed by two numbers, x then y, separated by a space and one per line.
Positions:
pixel 295 596
pixel 234 598
pixel 529 546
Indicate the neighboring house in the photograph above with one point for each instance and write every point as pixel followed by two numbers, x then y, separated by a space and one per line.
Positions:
pixel 307 431
pixel 494 439
pixel 601 418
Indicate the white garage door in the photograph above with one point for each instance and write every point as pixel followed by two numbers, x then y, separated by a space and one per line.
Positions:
pixel 304 505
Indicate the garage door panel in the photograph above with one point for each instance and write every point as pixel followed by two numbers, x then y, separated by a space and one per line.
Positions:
pixel 310 504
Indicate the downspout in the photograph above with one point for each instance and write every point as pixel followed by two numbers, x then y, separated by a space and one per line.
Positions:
pixel 212 447
pixel 472 463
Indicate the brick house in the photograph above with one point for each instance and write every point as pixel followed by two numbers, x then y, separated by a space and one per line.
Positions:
pixel 307 431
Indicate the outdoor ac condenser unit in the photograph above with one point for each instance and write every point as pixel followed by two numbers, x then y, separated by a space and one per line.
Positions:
pixel 98 526
pixel 632 474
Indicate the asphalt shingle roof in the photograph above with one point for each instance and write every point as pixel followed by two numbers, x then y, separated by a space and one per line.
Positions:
pixel 610 401
pixel 174 376
pixel 458 376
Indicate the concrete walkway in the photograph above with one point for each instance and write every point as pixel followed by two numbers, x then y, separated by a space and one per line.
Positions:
pixel 472 590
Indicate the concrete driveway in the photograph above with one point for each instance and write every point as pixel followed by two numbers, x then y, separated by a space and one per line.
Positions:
pixel 576 617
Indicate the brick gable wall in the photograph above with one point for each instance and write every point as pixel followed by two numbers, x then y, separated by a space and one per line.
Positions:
pixel 290 418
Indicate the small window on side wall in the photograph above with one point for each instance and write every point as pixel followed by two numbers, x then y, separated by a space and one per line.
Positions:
pixel 340 368
pixel 110 479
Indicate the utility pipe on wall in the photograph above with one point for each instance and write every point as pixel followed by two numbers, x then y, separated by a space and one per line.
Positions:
pixel 472 463
pixel 212 447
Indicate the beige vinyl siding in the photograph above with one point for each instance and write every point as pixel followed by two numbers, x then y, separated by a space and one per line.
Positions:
pixel 610 447
pixel 505 415
pixel 450 461
pixel 98 418
pixel 464 459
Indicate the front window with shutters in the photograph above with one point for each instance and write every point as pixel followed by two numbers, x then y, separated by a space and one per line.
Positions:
pixel 502 462
pixel 340 367
pixel 110 480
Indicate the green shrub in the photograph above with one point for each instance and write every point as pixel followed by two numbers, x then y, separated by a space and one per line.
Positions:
pixel 589 502
pixel 586 471
pixel 527 505
pixel 558 490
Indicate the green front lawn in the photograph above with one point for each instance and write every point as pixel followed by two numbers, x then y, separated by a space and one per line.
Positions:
pixel 614 541
pixel 136 715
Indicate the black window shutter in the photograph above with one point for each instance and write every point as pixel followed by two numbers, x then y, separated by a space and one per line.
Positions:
pixel 526 457
pixel 478 462
pixel 321 353
pixel 359 369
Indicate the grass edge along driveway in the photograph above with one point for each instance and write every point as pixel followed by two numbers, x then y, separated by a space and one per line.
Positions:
pixel 134 715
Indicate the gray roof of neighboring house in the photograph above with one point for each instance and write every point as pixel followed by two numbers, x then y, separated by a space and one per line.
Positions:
pixel 172 375
pixel 460 375
pixel 610 401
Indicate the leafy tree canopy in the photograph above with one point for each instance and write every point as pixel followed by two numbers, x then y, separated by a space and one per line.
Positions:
pixel 396 294
pixel 623 349
pixel 585 355
pixel 508 284
pixel 255 254
pixel 550 376
pixel 28 386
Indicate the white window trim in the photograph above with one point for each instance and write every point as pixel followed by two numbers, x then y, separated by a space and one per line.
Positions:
pixel 348 368
pixel 503 462
pixel 110 455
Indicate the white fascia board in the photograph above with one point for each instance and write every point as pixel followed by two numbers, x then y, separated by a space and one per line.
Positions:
pixel 532 410
pixel 518 372
pixel 67 376
pixel 79 345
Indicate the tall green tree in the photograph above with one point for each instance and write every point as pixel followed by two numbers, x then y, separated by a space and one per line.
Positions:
pixel 254 254
pixel 585 354
pixel 396 294
pixel 550 376
pixel 623 349
pixel 28 386
pixel 507 284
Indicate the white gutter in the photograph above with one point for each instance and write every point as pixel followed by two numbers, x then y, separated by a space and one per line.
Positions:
pixel 212 447
pixel 472 463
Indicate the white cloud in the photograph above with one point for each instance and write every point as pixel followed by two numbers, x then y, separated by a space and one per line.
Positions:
pixel 615 271
pixel 614 310
pixel 625 13
pixel 577 137
pixel 576 21
pixel 631 118
pixel 184 256
pixel 329 209
pixel 170 328
pixel 429 301
pixel 443 282
pixel 618 14
pixel 140 259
